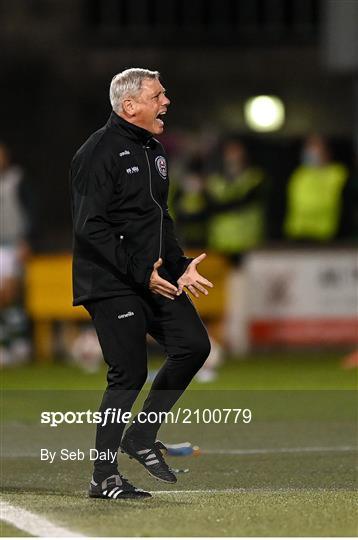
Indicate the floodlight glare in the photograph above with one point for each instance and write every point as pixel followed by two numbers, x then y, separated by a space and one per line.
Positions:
pixel 264 113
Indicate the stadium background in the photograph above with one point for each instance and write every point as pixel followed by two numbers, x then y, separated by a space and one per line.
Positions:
pixel 57 59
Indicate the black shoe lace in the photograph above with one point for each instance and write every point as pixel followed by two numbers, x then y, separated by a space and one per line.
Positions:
pixel 126 483
pixel 157 451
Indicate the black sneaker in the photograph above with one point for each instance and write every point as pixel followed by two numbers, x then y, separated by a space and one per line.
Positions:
pixel 150 457
pixel 115 487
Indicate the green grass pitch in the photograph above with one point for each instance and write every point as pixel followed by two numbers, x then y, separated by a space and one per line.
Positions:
pixel 292 471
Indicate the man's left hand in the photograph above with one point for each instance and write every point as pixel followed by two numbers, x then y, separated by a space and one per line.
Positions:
pixel 192 280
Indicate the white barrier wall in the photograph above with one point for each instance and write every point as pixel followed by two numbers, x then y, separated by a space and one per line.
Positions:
pixel 307 297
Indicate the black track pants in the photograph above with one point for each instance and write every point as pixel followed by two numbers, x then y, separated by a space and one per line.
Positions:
pixel 121 324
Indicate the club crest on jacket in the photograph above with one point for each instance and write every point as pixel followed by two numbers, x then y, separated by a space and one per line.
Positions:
pixel 161 165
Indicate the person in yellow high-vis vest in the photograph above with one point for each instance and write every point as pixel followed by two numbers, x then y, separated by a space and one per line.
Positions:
pixel 315 194
pixel 236 226
pixel 235 193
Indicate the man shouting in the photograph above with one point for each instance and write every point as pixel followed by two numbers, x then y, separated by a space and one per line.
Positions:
pixel 130 274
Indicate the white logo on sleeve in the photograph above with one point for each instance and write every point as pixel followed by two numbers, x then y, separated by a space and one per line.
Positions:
pixel 124 153
pixel 125 315
pixel 132 170
pixel 161 165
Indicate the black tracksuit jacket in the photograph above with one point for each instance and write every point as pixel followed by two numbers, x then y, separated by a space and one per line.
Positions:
pixel 121 224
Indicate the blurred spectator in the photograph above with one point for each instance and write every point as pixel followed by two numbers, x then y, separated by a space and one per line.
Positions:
pixel 315 194
pixel 236 192
pixel 190 205
pixel 16 233
pixel 236 197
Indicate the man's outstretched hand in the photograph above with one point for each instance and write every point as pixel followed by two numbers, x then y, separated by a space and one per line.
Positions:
pixel 192 280
pixel 158 285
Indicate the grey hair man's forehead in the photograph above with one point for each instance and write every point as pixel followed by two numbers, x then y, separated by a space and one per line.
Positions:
pixel 128 83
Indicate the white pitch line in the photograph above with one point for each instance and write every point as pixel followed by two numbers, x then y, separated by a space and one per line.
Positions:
pixel 32 523
pixel 165 492
pixel 236 490
pixel 308 449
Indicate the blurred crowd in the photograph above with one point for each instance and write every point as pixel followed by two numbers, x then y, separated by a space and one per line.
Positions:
pixel 222 199
pixel 17 235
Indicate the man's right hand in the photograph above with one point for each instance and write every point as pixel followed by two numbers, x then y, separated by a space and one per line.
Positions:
pixel 159 285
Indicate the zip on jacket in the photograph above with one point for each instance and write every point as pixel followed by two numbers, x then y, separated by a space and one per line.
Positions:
pixel 156 202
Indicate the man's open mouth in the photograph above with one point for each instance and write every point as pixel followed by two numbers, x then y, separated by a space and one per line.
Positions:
pixel 160 117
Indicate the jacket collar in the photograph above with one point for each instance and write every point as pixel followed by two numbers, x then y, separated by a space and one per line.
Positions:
pixel 136 133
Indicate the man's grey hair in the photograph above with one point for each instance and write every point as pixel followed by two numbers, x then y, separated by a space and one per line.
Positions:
pixel 127 84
